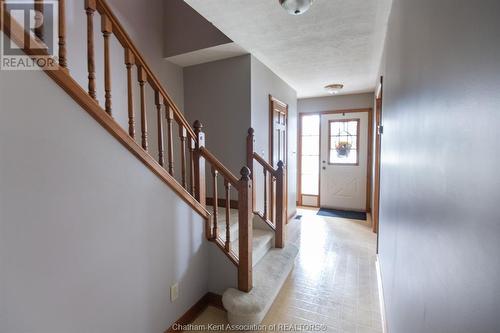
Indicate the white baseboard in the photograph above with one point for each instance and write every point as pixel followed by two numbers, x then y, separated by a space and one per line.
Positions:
pixel 381 295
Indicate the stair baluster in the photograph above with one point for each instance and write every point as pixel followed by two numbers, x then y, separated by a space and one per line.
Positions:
pixel 170 140
pixel 250 150
pixel 192 146
pixel 142 77
pixel 266 209
pixel 183 136
pixel 90 8
pixel 129 62
pixel 39 11
pixel 62 33
pixel 107 29
pixel 215 204
pixel 227 186
pixel 159 120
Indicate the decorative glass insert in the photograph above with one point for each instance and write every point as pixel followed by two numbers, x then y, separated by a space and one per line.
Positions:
pixel 343 141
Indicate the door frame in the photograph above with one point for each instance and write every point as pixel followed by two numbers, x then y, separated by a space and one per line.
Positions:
pixel 369 152
pixel 378 155
pixel 272 100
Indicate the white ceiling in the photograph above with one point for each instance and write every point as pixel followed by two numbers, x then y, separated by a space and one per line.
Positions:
pixel 336 41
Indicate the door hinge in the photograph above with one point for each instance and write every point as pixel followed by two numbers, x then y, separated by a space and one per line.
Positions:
pixel 380 130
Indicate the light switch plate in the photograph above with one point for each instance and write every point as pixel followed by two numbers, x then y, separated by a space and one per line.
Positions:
pixel 174 292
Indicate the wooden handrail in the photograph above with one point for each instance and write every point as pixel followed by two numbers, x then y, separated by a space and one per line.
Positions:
pixel 273 197
pixel 264 163
pixel 125 40
pixel 194 139
pixel 219 166
pixel 62 78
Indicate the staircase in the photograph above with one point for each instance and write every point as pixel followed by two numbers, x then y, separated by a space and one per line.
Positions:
pixel 253 241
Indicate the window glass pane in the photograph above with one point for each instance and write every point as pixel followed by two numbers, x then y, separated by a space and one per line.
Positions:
pixel 353 127
pixel 310 184
pixel 310 125
pixel 310 145
pixel 310 165
pixel 335 128
pixel 335 158
pixel 310 154
pixel 343 142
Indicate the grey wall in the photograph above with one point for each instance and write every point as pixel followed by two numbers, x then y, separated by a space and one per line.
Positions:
pixel 439 224
pixel 185 30
pixel 218 94
pixel 342 102
pixel 90 239
pixel 229 96
pixel 265 83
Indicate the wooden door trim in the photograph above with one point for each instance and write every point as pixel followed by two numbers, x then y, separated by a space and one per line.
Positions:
pixel 271 141
pixel 378 155
pixel 271 145
pixel 369 172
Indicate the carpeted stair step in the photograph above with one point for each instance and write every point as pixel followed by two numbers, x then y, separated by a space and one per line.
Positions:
pixel 268 278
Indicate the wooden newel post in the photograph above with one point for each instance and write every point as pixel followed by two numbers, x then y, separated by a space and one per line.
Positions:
pixel 200 187
pixel 245 215
pixel 250 151
pixel 199 165
pixel 280 206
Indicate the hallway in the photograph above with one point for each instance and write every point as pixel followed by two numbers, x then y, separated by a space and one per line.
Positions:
pixel 334 282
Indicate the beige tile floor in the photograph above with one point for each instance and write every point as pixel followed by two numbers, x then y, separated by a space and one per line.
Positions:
pixel 334 282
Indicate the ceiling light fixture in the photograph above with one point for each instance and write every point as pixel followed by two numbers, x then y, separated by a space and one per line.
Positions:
pixel 296 7
pixel 334 89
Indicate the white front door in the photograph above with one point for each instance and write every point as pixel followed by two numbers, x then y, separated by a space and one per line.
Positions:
pixel 344 160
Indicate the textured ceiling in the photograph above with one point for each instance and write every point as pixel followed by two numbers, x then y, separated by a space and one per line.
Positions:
pixel 336 41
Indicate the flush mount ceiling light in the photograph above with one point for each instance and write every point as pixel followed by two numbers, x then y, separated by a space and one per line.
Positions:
pixel 334 89
pixel 296 7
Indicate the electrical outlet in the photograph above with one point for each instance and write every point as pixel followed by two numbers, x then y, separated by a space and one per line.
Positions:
pixel 174 292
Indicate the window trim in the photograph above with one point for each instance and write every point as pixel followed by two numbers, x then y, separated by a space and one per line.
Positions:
pixel 357 120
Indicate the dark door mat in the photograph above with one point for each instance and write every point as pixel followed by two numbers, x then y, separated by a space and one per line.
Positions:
pixel 298 217
pixel 342 213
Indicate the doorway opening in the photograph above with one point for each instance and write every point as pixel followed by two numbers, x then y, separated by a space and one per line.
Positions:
pixel 335 160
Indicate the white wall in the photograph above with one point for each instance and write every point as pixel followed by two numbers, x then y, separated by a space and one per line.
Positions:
pixel 330 103
pixel 90 239
pixel 265 83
